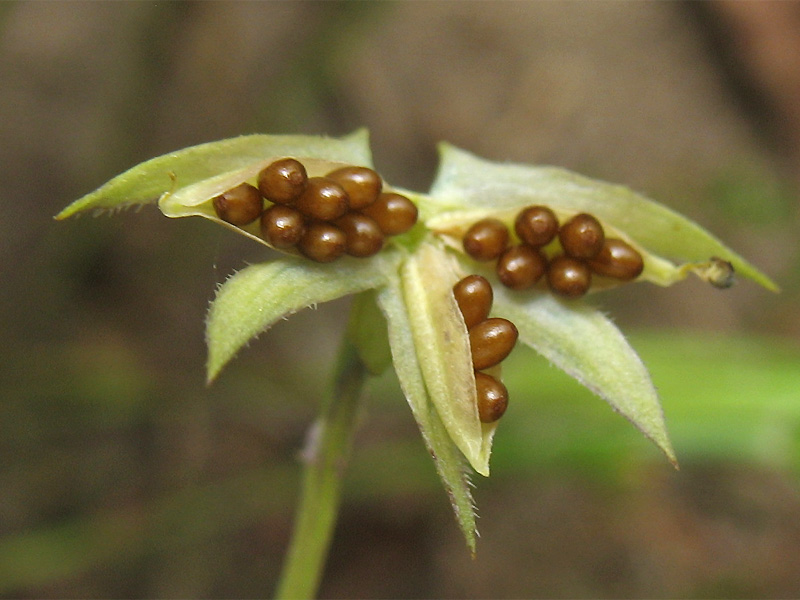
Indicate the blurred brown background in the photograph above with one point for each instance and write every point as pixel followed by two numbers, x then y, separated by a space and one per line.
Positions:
pixel 122 475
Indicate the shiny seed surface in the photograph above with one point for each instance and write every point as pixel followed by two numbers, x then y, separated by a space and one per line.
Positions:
pixel 492 397
pixel 521 266
pixel 322 242
pixel 582 236
pixel 394 213
pixel 282 226
pixel 569 277
pixel 486 239
pixel 240 205
pixel 474 298
pixel 363 185
pixel 364 237
pixel 536 225
pixel 491 341
pixel 323 199
pixel 617 259
pixel 283 181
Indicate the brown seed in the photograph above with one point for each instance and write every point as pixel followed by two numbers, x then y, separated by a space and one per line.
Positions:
pixel 569 277
pixel 582 236
pixel 282 226
pixel 394 214
pixel 283 181
pixel 486 239
pixel 491 341
pixel 364 237
pixel 521 266
pixel 536 225
pixel 322 242
pixel 474 298
pixel 362 185
pixel 617 259
pixel 240 205
pixel 492 397
pixel 323 199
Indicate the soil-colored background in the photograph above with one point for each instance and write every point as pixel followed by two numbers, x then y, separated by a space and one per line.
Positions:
pixel 122 475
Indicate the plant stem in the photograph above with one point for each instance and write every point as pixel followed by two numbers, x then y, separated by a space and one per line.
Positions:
pixel 325 457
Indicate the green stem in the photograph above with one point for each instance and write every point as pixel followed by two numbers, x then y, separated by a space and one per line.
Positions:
pixel 325 459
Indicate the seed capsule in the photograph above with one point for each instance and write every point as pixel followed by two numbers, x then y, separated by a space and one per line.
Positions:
pixel 323 199
pixel 474 298
pixel 282 226
pixel 617 259
pixel 492 397
pixel 491 341
pixel 394 214
pixel 362 185
pixel 536 225
pixel 521 266
pixel 240 205
pixel 486 239
pixel 569 277
pixel 364 237
pixel 582 236
pixel 322 242
pixel 283 181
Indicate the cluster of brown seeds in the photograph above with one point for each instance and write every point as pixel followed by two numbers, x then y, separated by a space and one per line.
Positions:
pixel 344 212
pixel 490 340
pixel 584 250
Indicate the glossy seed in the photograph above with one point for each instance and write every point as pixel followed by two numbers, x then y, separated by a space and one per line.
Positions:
pixel 323 199
pixel 474 298
pixel 364 237
pixel 362 185
pixel 617 259
pixel 322 242
pixel 394 214
pixel 283 181
pixel 582 236
pixel 492 397
pixel 486 239
pixel 282 226
pixel 536 225
pixel 491 341
pixel 240 205
pixel 521 266
pixel 569 277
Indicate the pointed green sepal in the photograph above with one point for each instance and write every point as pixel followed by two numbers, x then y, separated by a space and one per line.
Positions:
pixel 468 188
pixel 170 173
pixel 447 457
pixel 253 299
pixel 585 344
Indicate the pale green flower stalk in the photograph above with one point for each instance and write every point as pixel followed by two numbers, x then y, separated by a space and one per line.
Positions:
pixel 406 292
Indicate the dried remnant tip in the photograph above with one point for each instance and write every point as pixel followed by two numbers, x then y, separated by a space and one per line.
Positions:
pixel 719 273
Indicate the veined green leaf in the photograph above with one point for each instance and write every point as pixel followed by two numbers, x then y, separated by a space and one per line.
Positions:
pixel 466 182
pixel 585 344
pixel 253 299
pixel 442 345
pixel 171 172
pixel 446 455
